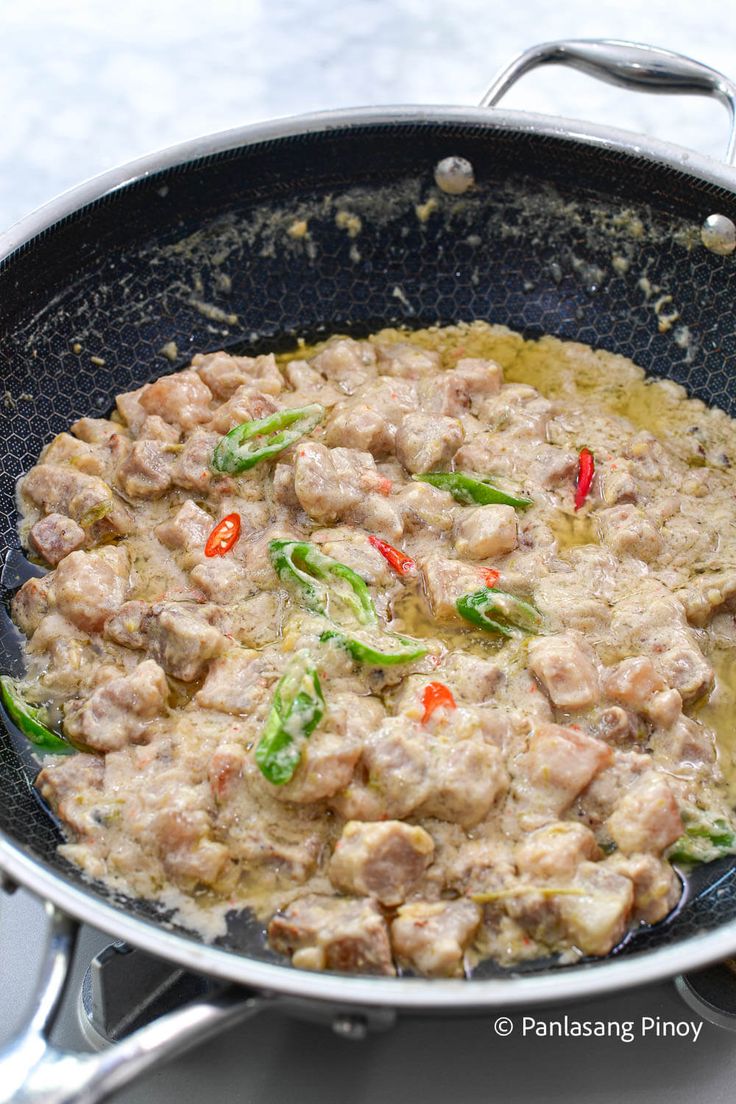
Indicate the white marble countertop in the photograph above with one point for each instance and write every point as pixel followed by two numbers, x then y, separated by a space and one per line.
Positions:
pixel 86 85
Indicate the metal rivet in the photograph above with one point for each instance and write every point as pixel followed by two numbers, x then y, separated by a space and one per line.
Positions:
pixel 350 1027
pixel 454 175
pixel 718 234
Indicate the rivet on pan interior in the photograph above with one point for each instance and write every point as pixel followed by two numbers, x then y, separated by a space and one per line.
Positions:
pixel 718 234
pixel 454 175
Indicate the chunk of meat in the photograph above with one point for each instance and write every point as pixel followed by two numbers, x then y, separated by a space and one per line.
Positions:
pixel 88 587
pixel 55 536
pixel 485 532
pixel 344 484
pixel 686 669
pixel 52 487
pixel 384 860
pixel 433 936
pixel 370 419
pixel 61 783
pixel 238 682
pixel 224 374
pixel 328 933
pixel 96 431
pixel 346 362
pixel 182 834
pixel 130 410
pixel 554 852
pixel 226 768
pixel 182 643
pixel 156 429
pixel 246 405
pixel 466 779
pixel 187 530
pixel 559 763
pixel 422 505
pixel 445 581
pixel 326 767
pixel 633 682
pixel 65 449
pixel 462 388
pixel 146 471
pixel 407 361
pixel 181 399
pixel 627 531
pixel 351 546
pixel 30 604
pixel 565 671
pixel 657 888
pixel 647 818
pixel 128 625
pixel 192 470
pixel 595 913
pixel 119 712
pixel 426 442
pixel 472 678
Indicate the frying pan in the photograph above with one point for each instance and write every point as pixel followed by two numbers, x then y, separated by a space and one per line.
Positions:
pixel 333 222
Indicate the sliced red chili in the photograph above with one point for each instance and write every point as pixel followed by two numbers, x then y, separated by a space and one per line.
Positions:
pixel 586 471
pixel 399 561
pixel 436 696
pixel 223 536
pixel 490 576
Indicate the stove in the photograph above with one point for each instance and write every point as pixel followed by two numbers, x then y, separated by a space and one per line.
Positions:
pixel 647 1045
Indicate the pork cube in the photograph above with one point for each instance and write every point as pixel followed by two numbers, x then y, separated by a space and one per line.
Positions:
pixel 426 442
pixel 407 361
pixel 52 487
pixel 466 778
pixel 156 429
pixel 130 410
pixel 486 531
pixel 192 470
pixel 326 767
pixel 685 668
pixel 560 762
pixel 346 362
pixel 55 536
pixel 647 817
pixel 462 388
pixel 180 399
pixel 422 505
pixel 633 682
pixel 65 449
pixel 238 682
pixel 96 431
pixel 627 531
pixel 351 546
pixel 187 531
pixel 370 419
pixel 63 781
pixel 554 852
pixel 329 933
pixel 128 625
pixel 118 712
pixel 384 860
pixel 182 643
pixel 397 763
pixel 227 766
pixel 30 604
pixel 657 888
pixel 595 917
pixel 248 404
pixel 445 581
pixel 88 587
pixel 433 936
pixel 565 671
pixel 471 677
pixel 224 374
pixel 333 483
pixel 146 471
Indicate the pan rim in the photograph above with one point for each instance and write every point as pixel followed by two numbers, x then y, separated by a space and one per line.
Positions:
pixel 401 993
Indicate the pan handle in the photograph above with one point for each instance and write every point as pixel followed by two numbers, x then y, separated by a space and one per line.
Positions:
pixel 629 64
pixel 33 1071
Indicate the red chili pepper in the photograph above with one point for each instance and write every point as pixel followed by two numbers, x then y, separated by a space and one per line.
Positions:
pixel 586 471
pixel 490 576
pixel 399 561
pixel 436 695
pixel 223 536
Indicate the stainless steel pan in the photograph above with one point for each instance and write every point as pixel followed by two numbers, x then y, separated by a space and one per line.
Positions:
pixel 581 231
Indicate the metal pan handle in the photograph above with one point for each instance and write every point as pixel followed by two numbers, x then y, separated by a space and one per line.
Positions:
pixel 629 64
pixel 33 1071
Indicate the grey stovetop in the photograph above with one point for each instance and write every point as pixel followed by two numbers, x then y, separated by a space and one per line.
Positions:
pixel 85 85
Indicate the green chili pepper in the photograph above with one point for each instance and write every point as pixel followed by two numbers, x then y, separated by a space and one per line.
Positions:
pixel 267 436
pixel 28 719
pixel 297 708
pixel 316 578
pixel 497 612
pixel 364 652
pixel 704 840
pixel 468 490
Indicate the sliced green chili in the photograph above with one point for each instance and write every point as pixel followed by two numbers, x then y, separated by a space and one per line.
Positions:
pixel 28 718
pixel 297 708
pixel 495 611
pixel 703 840
pixel 470 490
pixel 244 446
pixel 363 651
pixel 317 579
